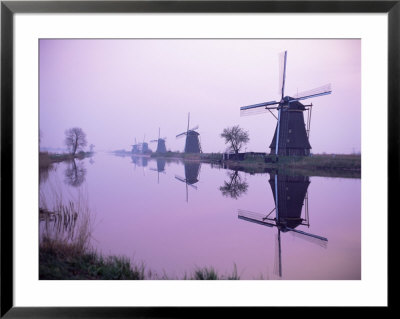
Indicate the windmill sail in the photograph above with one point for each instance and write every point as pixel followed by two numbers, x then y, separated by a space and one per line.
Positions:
pixel 282 73
pixel 319 91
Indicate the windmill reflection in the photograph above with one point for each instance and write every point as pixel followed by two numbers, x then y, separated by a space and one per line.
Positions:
pixel 140 161
pixel 235 187
pixel 290 195
pixel 75 173
pixel 160 168
pixel 192 170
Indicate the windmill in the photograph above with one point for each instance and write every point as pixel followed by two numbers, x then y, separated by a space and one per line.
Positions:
pixel 145 146
pixel 192 144
pixel 160 143
pixel 135 148
pixel 192 170
pixel 290 195
pixel 291 137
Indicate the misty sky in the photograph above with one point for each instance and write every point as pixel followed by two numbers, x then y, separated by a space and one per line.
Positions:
pixel 119 90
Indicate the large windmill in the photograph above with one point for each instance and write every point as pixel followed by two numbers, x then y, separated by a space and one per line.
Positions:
pixel 291 137
pixel 160 143
pixel 192 170
pixel 192 144
pixel 290 195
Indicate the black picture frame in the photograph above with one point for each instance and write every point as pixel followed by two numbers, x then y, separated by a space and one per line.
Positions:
pixel 9 8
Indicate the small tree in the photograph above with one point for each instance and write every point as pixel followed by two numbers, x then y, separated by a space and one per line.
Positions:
pixel 236 137
pixel 75 139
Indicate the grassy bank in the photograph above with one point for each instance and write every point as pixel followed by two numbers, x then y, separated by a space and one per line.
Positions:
pixel 329 165
pixel 62 261
pixel 65 252
pixel 46 158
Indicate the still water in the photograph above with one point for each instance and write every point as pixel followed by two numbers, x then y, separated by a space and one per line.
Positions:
pixel 175 216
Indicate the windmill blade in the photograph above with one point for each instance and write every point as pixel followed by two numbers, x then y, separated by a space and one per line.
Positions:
pixel 193 186
pixel 180 178
pixel 307 234
pixel 319 91
pixel 188 121
pixel 253 217
pixel 152 141
pixel 282 73
pixel 258 108
pixel 312 240
pixel 181 135
pixel 194 128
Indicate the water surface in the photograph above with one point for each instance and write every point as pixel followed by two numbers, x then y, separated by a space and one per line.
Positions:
pixel 175 216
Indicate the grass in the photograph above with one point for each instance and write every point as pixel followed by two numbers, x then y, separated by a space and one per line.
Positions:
pixel 61 261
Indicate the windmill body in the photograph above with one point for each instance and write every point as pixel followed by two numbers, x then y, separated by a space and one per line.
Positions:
pixel 291 137
pixel 192 143
pixel 161 148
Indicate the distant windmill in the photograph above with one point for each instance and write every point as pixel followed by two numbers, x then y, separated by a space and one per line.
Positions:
pixel 160 143
pixel 291 134
pixel 192 144
pixel 135 148
pixel 192 170
pixel 145 146
pixel 289 194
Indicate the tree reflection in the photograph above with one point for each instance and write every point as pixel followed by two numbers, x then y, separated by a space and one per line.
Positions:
pixel 236 187
pixel 75 173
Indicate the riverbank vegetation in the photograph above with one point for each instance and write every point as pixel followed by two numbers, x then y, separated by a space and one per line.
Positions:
pixel 65 252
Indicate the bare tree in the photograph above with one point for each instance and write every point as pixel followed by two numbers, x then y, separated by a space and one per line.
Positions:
pixel 75 139
pixel 236 137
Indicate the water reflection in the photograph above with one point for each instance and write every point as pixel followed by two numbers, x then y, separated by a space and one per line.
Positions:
pixel 235 187
pixel 75 173
pixel 160 168
pixel 192 171
pixel 290 195
pixel 141 161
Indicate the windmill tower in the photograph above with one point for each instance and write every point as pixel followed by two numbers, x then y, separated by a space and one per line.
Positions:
pixel 192 170
pixel 291 137
pixel 145 146
pixel 192 144
pixel 160 143
pixel 135 148
pixel 290 195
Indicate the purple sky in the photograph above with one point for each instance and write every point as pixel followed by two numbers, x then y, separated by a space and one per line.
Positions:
pixel 116 90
